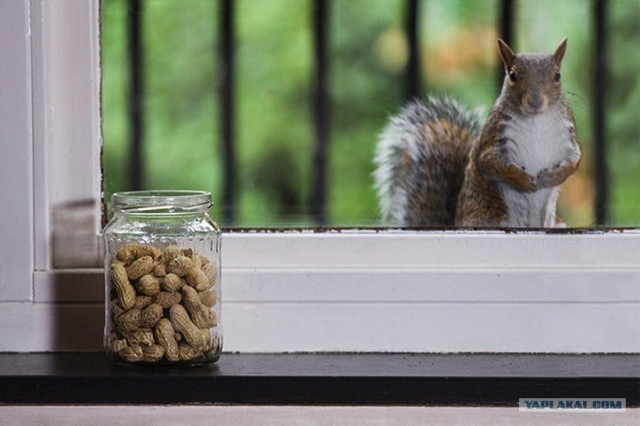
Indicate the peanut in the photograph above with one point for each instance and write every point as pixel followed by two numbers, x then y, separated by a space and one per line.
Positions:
pixel 187 352
pixel 184 267
pixel 208 297
pixel 211 271
pixel 150 315
pixel 133 251
pixel 131 353
pixel 199 280
pixel 116 344
pixel 140 337
pixel 164 335
pixel 201 316
pixel 129 320
pixel 159 270
pixel 197 261
pixel 153 353
pixel 124 289
pixel 166 299
pixel 196 337
pixel 143 301
pixel 170 253
pixel 116 308
pixel 141 266
pixel 147 285
pixel 172 283
pixel 179 266
pixel 150 283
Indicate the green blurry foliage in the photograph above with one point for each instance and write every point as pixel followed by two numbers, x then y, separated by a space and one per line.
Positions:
pixel 367 57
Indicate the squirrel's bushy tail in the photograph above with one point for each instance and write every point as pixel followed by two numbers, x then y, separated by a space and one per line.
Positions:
pixel 420 161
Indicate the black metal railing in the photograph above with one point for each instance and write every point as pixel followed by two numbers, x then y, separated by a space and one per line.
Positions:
pixel 413 76
pixel 321 118
pixel 320 99
pixel 136 94
pixel 227 110
pixel 600 12
pixel 505 22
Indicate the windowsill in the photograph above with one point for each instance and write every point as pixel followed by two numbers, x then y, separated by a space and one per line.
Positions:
pixel 322 379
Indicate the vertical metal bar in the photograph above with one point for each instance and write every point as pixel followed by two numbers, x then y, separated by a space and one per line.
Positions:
pixel 320 112
pixel 136 95
pixel 412 78
pixel 227 109
pixel 507 13
pixel 599 107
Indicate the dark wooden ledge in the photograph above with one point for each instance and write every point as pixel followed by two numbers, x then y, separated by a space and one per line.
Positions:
pixel 322 379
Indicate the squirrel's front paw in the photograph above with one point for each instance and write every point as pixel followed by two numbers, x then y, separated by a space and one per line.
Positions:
pixel 527 183
pixel 531 185
pixel 546 178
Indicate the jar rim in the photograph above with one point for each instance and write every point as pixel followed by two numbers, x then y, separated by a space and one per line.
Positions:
pixel 158 201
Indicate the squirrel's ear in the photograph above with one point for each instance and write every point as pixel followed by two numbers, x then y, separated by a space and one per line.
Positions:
pixel 559 53
pixel 506 53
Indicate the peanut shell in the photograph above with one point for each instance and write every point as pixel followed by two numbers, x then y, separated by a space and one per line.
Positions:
pixel 172 283
pixel 148 285
pixel 141 266
pixel 208 297
pixel 166 299
pixel 131 353
pixel 164 335
pixel 153 353
pixel 125 291
pixel 150 315
pixel 133 251
pixel 202 316
pixel 196 337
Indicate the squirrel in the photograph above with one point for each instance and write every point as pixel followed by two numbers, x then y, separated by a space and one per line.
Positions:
pixel 437 165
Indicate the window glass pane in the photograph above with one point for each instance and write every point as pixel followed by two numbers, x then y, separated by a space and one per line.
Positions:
pixel 367 55
pixel 274 129
pixel 623 124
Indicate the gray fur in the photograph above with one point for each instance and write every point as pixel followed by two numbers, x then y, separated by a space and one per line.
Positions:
pixel 419 171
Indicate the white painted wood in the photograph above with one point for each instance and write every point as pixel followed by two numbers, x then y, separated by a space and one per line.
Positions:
pixel 16 202
pixel 45 327
pixel 69 286
pixel 381 285
pixel 301 415
pixel 359 327
pixel 66 79
pixel 434 285
pixel 314 299
pixel 431 327
pixel 445 249
pixel 42 232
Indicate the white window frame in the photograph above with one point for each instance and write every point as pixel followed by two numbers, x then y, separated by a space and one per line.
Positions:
pixel 378 291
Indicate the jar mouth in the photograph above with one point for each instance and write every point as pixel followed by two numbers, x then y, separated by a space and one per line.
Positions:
pixel 161 201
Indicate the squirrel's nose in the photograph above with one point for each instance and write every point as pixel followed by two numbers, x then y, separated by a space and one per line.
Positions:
pixel 535 102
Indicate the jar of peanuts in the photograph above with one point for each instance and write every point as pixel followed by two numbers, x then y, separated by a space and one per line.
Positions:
pixel 162 279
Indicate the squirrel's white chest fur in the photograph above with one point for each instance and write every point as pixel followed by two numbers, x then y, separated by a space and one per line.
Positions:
pixel 535 143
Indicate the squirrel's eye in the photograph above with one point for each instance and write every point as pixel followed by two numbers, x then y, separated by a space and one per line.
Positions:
pixel 556 76
pixel 512 75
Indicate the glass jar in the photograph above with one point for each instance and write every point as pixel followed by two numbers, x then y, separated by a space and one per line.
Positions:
pixel 162 279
